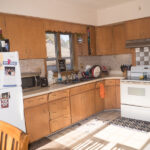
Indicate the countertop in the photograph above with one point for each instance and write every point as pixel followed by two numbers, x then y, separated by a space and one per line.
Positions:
pixel 57 87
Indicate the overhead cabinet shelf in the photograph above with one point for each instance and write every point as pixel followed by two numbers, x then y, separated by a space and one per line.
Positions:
pixel 111 40
pixel 26 36
pixel 138 29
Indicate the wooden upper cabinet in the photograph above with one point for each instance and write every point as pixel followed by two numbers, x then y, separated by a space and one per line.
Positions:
pixel 3 25
pixel 103 40
pixel 36 38
pixel 26 36
pixel 138 29
pixel 111 40
pixel 119 39
pixel 15 33
pixel 133 29
pixel 145 28
pixel 81 49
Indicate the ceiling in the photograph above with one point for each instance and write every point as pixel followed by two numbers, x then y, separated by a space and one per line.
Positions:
pixel 97 4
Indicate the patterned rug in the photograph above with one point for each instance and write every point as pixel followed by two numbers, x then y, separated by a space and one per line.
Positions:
pixel 132 123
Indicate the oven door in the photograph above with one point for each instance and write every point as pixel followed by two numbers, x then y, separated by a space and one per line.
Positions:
pixel 135 93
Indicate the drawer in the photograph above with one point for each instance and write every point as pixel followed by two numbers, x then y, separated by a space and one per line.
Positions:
pixel 58 95
pixel 59 108
pixel 117 82
pixel 60 123
pixel 34 101
pixel 109 82
pixel 98 83
pixel 82 88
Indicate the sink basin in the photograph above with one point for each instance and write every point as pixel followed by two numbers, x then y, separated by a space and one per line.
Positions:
pixel 68 82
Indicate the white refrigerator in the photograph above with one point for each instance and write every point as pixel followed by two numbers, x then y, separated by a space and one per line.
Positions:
pixel 11 97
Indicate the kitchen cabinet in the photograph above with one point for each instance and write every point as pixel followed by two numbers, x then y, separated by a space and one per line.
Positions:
pixel 138 29
pixel 99 102
pixel 117 82
pixel 26 36
pixel 81 48
pixel 104 40
pixel 2 25
pixel 112 96
pixel 59 110
pixel 119 39
pixel 36 117
pixel 82 100
pixel 111 40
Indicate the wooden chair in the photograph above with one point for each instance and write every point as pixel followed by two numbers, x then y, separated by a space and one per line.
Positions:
pixel 11 138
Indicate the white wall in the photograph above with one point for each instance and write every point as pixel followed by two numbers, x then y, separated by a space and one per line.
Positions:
pixel 52 9
pixel 127 11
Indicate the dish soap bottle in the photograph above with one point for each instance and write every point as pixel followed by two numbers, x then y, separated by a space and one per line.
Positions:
pixel 59 77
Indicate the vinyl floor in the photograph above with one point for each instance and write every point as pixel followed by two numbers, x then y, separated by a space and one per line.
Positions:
pixel 102 131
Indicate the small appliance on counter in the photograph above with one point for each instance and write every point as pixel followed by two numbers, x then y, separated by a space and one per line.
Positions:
pixel 32 81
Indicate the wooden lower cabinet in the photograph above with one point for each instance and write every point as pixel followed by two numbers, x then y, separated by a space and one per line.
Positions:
pixel 117 94
pixel 112 94
pixel 37 122
pixel 60 123
pixel 82 105
pixel 59 110
pixel 99 102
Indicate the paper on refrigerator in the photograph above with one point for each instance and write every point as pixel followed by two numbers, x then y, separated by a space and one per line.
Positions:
pixel 9 70
pixel 11 107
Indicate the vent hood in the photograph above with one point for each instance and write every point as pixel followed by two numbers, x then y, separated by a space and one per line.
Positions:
pixel 138 43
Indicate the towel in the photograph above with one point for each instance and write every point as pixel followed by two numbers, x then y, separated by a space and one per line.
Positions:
pixel 102 91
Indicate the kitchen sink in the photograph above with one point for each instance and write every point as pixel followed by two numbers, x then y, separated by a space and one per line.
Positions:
pixel 75 81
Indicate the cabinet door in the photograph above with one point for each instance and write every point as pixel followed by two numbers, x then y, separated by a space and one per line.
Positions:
pixel 37 122
pixel 60 123
pixel 110 97
pixel 99 103
pixel 110 94
pixel 104 40
pixel 138 29
pixel 145 28
pixel 82 105
pixel 119 39
pixel 77 107
pixel 26 36
pixel 59 108
pixel 3 25
pixel 89 102
pixel 133 29
pixel 118 94
pixel 17 35
pixel 35 38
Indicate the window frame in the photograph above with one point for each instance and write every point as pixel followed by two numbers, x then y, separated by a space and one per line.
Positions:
pixel 58 50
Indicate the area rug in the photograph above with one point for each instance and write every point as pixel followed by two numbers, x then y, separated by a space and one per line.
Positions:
pixel 132 123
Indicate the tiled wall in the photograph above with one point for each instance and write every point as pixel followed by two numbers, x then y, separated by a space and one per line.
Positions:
pixel 112 62
pixel 32 65
pixel 143 56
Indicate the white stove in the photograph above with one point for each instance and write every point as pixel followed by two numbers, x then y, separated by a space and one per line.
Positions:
pixel 135 94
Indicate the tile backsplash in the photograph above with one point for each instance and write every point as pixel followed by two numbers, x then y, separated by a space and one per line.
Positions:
pixel 32 65
pixel 142 56
pixel 112 62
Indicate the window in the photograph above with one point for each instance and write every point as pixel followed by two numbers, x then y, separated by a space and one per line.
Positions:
pixel 59 45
